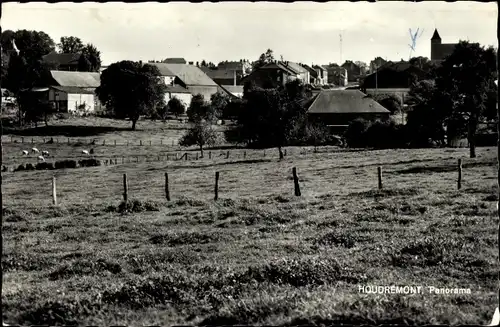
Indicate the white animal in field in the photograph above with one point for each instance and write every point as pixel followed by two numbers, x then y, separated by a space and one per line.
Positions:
pixel 45 153
pixel 25 152
pixel 85 152
pixel 34 150
pixel 41 158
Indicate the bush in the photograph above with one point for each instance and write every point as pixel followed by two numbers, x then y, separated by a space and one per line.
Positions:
pixel 65 164
pixel 20 168
pixel 89 163
pixel 44 166
pixel 30 167
pixel 355 133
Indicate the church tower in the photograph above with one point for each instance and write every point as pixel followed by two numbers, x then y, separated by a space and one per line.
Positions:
pixel 435 41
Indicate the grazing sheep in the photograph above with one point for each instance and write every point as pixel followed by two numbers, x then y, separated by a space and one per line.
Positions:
pixel 41 158
pixel 25 152
pixel 45 153
pixel 85 152
pixel 34 150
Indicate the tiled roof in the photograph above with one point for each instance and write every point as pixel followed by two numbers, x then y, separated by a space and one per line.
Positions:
pixel 190 75
pixel 220 73
pixel 74 89
pixel 311 71
pixel 319 67
pixel 163 68
pixel 80 79
pixel 62 58
pixel 279 65
pixel 345 101
pixel 175 61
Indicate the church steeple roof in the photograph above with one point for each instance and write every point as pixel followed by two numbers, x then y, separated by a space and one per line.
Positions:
pixel 436 36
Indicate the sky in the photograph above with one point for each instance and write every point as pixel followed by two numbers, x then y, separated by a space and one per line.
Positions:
pixel 304 32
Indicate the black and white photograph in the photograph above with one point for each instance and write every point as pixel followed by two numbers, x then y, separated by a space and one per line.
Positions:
pixel 249 163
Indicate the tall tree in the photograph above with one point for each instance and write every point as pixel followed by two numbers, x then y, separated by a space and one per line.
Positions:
pixel 131 89
pixel 264 59
pixel 33 45
pixel 70 44
pixel 465 77
pixel 93 58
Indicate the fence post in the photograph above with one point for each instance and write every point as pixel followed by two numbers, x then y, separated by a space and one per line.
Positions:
pixel 216 190
pixel 68 140
pixel 22 139
pixel 209 154
pixel 127 143
pixel 103 142
pixel 43 140
pixel 167 191
pixel 196 155
pixel 140 142
pixel 125 188
pixel 11 141
pixel 172 142
pixel 123 159
pixel 149 142
pixel 264 153
pixel 176 156
pixel 186 154
pixel 54 191
pixel 244 155
pixel 115 142
pixel 57 140
pixel 296 182
pixel 459 182
pixel 161 142
pixel 33 141
pixel 379 171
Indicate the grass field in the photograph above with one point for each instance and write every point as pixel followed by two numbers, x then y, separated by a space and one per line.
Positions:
pixel 258 255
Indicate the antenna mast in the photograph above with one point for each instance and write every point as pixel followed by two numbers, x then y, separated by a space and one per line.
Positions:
pixel 340 63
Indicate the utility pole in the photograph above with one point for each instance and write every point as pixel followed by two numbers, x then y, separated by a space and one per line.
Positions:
pixel 340 63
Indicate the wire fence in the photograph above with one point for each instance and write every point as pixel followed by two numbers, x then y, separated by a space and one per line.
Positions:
pixel 91 141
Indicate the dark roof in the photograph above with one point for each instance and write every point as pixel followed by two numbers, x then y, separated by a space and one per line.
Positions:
pixel 435 36
pixel 279 65
pixel 312 71
pixel 175 61
pixel 233 89
pixel 294 66
pixel 62 58
pixel 176 89
pixel 163 68
pixel 230 65
pixel 345 101
pixel 80 79
pixel 220 73
pixel 75 89
pixel 443 50
pixel 319 67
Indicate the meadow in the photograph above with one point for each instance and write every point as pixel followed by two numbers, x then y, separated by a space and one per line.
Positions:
pixel 259 254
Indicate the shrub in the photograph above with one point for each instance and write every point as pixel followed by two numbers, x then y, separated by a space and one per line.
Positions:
pixel 65 164
pixel 355 133
pixel 44 166
pixel 89 163
pixel 30 167
pixel 20 168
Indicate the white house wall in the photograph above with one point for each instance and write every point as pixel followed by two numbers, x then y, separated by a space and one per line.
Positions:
pixel 75 100
pixel 184 97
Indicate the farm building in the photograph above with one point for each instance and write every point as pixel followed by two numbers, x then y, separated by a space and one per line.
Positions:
pixel 233 91
pixel 338 108
pixel 179 92
pixel 271 75
pixel 74 91
pixel 188 77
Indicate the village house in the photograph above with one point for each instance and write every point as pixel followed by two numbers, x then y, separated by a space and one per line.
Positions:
pixel 223 76
pixel 184 81
pixel 276 73
pixel 242 67
pixel 74 92
pixel 314 77
pixel 376 64
pixel 336 75
pixel 233 91
pixel 354 72
pixel 338 108
pixel 63 61
pixel 392 78
pixel 322 74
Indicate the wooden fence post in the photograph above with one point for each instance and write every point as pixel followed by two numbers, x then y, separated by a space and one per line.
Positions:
pixel 227 155
pixel 140 142
pixel 54 191
pixel 149 142
pixel 216 190
pixel 209 154
pixel 115 142
pixel 186 154
pixel 43 140
pixel 125 188
pixel 196 155
pixel 167 191
pixel 296 182
pixel 32 141
pixel 244 155
pixel 459 182
pixel 68 140
pixel 264 153
pixel 379 171
pixel 11 141
pixel 127 143
pixel 22 139
pixel 103 142
pixel 161 142
pixel 176 156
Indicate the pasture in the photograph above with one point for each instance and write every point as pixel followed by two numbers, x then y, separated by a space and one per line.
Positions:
pixel 257 255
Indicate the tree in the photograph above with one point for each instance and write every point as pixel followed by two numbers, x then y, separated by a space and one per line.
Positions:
pixel 176 106
pixel 93 58
pixel 70 44
pixel 269 116
pixel 200 134
pixel 131 89
pixel 362 65
pixel 219 101
pixel 389 101
pixel 233 109
pixel 33 44
pixel 466 78
pixel 199 110
pixel 203 63
pixel 264 59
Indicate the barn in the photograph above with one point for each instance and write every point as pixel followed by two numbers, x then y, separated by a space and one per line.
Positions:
pixel 74 92
pixel 338 108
